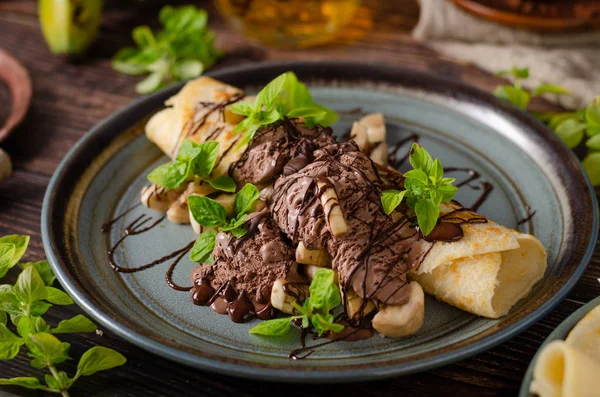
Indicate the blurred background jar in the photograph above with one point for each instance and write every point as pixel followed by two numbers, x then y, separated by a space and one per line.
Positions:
pixel 288 23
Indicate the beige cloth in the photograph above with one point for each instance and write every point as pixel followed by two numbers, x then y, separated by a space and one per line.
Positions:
pixel 571 60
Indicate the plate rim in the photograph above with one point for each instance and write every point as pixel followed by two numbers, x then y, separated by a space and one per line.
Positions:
pixel 559 333
pixel 326 70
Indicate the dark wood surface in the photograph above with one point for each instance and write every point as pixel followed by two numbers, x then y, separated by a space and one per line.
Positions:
pixel 69 98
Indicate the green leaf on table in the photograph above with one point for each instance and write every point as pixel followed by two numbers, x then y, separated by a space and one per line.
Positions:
pixel 223 183
pixel 10 343
pixel 30 287
pixel 516 72
pixel 592 113
pixel 7 251
pixel 39 308
pixel 275 327
pixel 571 132
pixel 79 323
pixel 27 382
pixel 44 270
pixel 58 297
pixel 548 89
pixel 591 164
pixel 245 198
pixel 99 358
pixel 594 142
pixel 21 243
pixel 46 349
pixel 183 49
pixel 427 215
pixel 203 247
pixel 206 211
pixel 514 95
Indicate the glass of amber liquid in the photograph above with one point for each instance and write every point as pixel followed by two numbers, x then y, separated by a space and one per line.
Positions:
pixel 288 23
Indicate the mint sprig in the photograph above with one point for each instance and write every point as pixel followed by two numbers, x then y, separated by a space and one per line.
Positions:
pixel 284 97
pixel 324 296
pixel 184 49
pixel 24 303
pixel 209 213
pixel 425 189
pixel 571 127
pixel 193 160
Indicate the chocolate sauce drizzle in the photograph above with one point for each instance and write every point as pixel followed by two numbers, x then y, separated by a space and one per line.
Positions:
pixel 473 177
pixel 527 218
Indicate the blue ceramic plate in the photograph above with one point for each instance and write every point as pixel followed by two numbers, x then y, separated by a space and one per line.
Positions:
pixel 561 332
pixel 464 127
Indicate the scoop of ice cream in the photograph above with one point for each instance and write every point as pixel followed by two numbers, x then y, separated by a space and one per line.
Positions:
pixel 273 148
pixel 253 262
pixel 374 256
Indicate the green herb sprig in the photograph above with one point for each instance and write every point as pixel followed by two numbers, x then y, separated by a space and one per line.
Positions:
pixel 209 213
pixel 425 189
pixel 571 127
pixel 283 97
pixel 193 160
pixel 324 296
pixel 182 50
pixel 25 303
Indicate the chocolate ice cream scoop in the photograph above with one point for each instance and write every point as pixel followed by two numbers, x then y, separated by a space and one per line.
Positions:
pixel 273 148
pixel 251 263
pixel 377 251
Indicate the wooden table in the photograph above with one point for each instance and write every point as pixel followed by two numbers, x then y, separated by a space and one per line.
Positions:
pixel 70 98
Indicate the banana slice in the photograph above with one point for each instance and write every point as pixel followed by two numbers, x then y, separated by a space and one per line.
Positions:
pixel 158 198
pixel 284 293
pixel 315 257
pixel 398 321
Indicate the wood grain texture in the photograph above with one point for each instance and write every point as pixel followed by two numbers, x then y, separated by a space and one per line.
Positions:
pixel 70 98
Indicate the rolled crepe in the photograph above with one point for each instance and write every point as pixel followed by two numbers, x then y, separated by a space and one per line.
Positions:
pixel 562 370
pixel 191 115
pixel 486 272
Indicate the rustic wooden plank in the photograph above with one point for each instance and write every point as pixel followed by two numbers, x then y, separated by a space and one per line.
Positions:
pixel 70 98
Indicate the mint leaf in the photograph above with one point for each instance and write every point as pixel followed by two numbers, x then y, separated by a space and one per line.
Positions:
pixel 306 112
pixel 25 326
pixel 44 270
pixel 98 358
pixel 420 160
pixel 188 151
pixel 46 349
pixel 390 199
pixel 9 343
pixel 324 323
pixel 514 95
pixel 557 119
pixel 3 317
pixel 170 175
pixel 223 183
pixel 549 89
pixel 79 323
pixel 20 242
pixel 30 287
pixel 39 308
pixel 447 190
pixel 591 164
pixel 427 215
pixel 324 291
pixel 207 212
pixel 242 107
pixel 571 132
pixel 245 198
pixel 275 327
pixel 27 382
pixel 518 73
pixel 417 176
pixel 594 142
pixel 271 92
pixel 204 163
pixel 238 232
pixel 592 113
pixel 203 247
pixel 58 297
pixel 184 70
pixel 7 252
